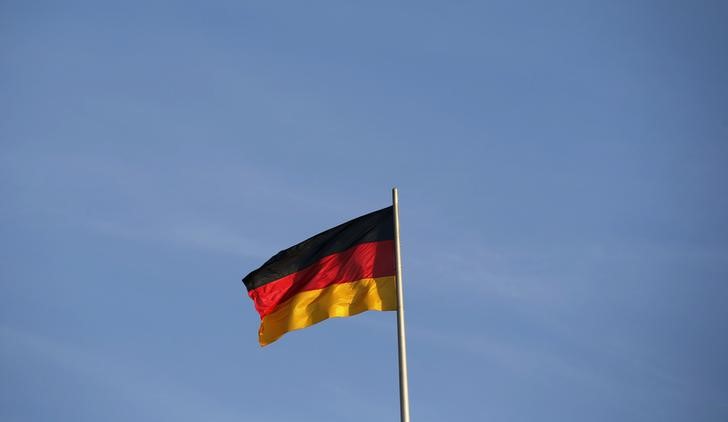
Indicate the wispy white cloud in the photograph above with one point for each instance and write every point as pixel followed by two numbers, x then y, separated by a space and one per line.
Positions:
pixel 534 278
pixel 523 278
pixel 215 211
pixel 194 235
pixel 568 358
pixel 498 352
pixel 147 392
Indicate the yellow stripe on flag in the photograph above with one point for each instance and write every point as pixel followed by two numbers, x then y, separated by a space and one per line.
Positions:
pixel 338 300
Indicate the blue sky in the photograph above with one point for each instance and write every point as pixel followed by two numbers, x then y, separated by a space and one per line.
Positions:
pixel 562 170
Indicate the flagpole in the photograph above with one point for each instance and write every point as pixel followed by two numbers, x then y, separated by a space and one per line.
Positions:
pixel 401 343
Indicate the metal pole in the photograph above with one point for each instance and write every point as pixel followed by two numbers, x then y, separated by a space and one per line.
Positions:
pixel 402 345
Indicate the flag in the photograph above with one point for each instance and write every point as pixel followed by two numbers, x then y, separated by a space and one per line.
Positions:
pixel 340 272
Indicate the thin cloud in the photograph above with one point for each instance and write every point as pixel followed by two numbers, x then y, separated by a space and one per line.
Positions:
pixel 193 235
pixel 151 394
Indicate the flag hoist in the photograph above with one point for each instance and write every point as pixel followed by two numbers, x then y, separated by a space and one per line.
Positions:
pixel 351 268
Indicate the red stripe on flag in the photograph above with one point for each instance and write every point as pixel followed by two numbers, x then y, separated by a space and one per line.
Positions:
pixel 365 260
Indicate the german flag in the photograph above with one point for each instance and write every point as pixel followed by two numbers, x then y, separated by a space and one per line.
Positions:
pixel 341 272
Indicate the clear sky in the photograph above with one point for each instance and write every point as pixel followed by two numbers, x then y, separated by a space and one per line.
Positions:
pixel 562 167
